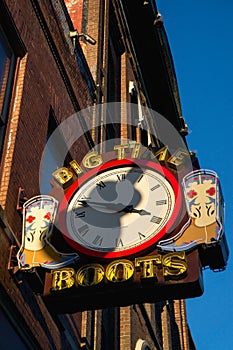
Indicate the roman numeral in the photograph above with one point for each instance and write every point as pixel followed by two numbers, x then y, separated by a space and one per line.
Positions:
pixel 156 220
pixel 119 243
pixel 100 185
pixel 98 240
pixel 83 202
pixel 83 230
pixel 161 202
pixel 121 177
pixel 79 214
pixel 155 187
pixel 140 178
pixel 141 236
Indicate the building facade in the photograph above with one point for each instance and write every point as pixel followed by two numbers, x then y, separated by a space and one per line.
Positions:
pixel 58 58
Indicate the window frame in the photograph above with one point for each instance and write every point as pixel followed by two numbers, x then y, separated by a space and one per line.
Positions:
pixel 4 113
pixel 14 42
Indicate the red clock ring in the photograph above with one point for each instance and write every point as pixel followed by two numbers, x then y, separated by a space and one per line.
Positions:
pixel 108 166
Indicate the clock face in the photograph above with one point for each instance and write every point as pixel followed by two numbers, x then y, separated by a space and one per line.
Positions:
pixel 123 209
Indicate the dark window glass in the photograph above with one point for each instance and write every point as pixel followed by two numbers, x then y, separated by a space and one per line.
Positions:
pixel 7 69
pixel 56 153
pixel 110 329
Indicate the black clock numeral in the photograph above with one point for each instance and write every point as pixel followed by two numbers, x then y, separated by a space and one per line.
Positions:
pixel 121 177
pixel 83 230
pixel 161 202
pixel 119 243
pixel 155 187
pixel 98 240
pixel 100 185
pixel 156 219
pixel 78 213
pixel 83 203
pixel 140 178
pixel 141 236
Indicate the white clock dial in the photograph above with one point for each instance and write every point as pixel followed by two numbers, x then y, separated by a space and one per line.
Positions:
pixel 120 210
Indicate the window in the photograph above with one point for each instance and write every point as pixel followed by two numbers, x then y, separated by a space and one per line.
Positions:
pixel 138 118
pixel 113 77
pixel 110 329
pixel 7 69
pixel 12 49
pixel 56 152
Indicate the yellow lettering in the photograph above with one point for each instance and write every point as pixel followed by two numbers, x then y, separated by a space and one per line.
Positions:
pixel 174 266
pixel 136 150
pixel 92 160
pixel 63 279
pixel 63 176
pixel 119 271
pixel 147 265
pixel 178 158
pixel 90 275
pixel 121 150
pixel 76 167
pixel 162 155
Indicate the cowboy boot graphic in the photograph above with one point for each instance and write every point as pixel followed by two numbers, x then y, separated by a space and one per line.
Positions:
pixel 36 250
pixel 205 208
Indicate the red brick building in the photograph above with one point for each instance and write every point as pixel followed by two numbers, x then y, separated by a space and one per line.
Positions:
pixel 50 70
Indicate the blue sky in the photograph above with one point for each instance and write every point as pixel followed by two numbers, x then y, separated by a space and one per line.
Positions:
pixel 200 35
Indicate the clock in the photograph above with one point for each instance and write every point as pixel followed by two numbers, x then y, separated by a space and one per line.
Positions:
pixel 122 209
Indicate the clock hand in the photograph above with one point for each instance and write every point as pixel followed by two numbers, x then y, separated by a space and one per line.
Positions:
pixel 117 206
pixel 130 209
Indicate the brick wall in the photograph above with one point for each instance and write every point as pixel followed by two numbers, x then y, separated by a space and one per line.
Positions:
pixel 47 76
pixel 75 8
pixel 39 85
pixel 96 31
pixel 125 328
